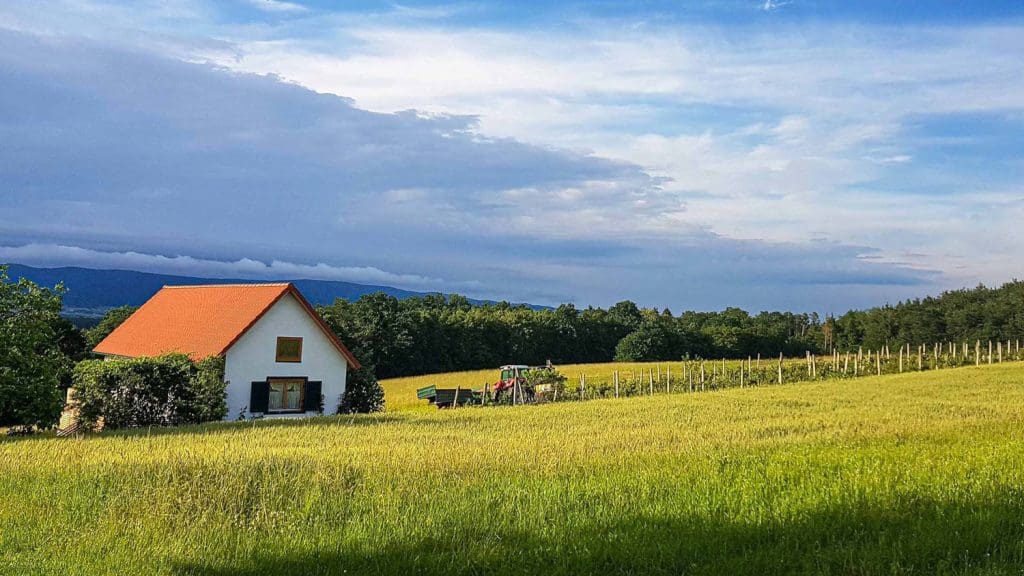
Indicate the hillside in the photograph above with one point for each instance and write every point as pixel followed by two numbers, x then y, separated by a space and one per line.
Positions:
pixel 909 474
pixel 93 292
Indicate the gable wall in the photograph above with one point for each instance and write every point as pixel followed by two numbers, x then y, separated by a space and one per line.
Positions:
pixel 252 358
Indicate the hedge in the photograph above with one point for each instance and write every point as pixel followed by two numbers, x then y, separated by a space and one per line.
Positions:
pixel 167 390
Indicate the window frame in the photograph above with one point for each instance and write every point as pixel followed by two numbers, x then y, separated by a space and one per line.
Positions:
pixel 303 380
pixel 287 359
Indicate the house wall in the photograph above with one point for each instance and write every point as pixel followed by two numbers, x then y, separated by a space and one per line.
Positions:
pixel 252 358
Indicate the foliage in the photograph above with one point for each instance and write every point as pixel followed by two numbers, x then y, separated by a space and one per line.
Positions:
pixel 961 315
pixel 439 334
pixel 168 390
pixel 913 474
pixel 32 363
pixel 546 377
pixel 363 393
pixel 110 321
pixel 435 334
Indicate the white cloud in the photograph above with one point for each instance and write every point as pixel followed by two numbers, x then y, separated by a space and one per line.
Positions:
pixel 52 255
pixel 277 6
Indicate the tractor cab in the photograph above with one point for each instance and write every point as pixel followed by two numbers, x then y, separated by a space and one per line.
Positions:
pixel 511 376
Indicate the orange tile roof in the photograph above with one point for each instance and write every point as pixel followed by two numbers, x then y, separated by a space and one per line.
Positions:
pixel 202 321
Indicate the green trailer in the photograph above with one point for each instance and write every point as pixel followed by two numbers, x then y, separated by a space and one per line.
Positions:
pixel 449 397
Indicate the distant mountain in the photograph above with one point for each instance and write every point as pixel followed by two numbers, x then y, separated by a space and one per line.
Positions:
pixel 90 293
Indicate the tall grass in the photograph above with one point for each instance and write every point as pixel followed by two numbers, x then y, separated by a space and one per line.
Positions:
pixel 910 474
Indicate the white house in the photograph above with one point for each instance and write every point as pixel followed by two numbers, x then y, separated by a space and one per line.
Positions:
pixel 279 356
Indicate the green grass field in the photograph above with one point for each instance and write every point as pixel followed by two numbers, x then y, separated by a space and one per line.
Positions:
pixel 907 474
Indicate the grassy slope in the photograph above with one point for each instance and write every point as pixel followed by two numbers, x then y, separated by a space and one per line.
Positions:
pixel 920 473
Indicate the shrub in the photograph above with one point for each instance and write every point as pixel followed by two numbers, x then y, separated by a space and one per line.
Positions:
pixel 362 393
pixel 164 391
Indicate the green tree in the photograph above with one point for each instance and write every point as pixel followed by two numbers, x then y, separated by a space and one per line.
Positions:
pixel 31 362
pixel 362 393
pixel 111 320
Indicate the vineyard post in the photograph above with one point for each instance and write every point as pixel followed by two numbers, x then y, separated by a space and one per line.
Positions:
pixel 616 378
pixel 691 379
pixel 659 373
pixel 780 367
pixel 901 359
pixel 964 355
pixel 741 374
pixel 878 364
pixel 989 351
pixel 668 380
pixel 856 364
pixel 938 350
pixel 920 359
pixel 977 353
pixel 1000 351
pixel 814 367
pixel 650 380
pixel 846 362
pixel 758 360
pixel 808 363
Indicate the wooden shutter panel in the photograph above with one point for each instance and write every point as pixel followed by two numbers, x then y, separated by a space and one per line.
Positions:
pixel 259 398
pixel 312 396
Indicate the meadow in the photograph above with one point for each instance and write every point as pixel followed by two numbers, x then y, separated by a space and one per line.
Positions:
pixel 917 473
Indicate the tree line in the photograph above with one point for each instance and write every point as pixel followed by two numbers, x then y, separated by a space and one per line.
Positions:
pixel 436 333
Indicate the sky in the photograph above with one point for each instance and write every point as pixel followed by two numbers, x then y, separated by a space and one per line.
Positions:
pixel 771 155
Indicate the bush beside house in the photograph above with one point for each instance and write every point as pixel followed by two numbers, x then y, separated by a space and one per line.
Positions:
pixel 167 390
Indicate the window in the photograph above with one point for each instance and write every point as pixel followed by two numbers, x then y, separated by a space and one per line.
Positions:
pixel 286 395
pixel 289 349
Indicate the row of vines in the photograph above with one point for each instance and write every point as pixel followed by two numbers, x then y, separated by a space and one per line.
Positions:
pixel 704 375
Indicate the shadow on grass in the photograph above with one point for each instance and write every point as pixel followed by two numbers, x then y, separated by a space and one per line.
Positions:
pixel 919 536
pixel 358 420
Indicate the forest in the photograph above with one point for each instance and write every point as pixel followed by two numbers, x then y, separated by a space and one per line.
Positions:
pixel 447 333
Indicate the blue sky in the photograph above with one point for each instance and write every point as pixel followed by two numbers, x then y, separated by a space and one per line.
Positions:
pixel 770 155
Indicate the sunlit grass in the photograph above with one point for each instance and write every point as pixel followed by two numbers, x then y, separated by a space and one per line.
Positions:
pixel 910 474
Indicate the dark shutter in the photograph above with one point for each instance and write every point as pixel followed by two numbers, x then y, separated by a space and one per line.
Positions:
pixel 259 398
pixel 312 397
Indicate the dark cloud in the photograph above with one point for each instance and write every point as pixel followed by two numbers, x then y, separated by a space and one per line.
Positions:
pixel 113 149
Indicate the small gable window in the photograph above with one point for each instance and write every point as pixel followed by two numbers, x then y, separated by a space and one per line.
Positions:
pixel 289 349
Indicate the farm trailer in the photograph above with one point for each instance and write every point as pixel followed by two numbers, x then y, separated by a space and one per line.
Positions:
pixel 449 397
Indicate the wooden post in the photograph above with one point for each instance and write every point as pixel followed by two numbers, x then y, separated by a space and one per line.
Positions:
pixel 989 351
pixel 659 374
pixel 977 353
pixel 758 360
pixel 901 359
pixel 920 359
pixel 846 363
pixel 702 376
pixel 650 380
pixel 616 378
pixel 691 379
pixel 668 380
pixel 1000 351
pixel 878 365
pixel 780 367
pixel 741 374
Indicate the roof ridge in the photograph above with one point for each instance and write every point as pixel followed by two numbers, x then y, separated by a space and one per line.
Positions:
pixel 230 285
